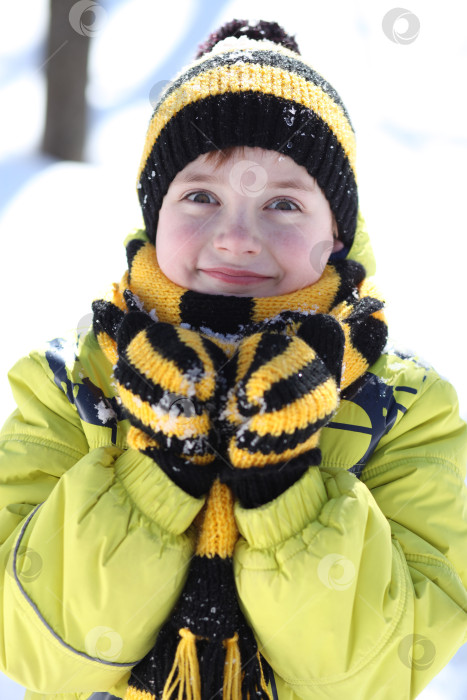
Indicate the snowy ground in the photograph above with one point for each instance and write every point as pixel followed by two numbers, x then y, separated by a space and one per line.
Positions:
pixel 62 224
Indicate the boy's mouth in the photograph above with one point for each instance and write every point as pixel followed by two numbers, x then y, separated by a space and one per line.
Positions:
pixel 233 276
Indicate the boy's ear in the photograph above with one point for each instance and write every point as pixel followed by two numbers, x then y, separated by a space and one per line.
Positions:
pixel 337 245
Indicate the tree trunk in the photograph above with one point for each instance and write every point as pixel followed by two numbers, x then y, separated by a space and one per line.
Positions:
pixel 66 71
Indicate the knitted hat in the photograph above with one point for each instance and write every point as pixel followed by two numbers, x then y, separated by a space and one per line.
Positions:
pixel 249 87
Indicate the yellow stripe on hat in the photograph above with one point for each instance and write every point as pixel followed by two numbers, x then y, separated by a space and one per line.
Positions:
pixel 268 80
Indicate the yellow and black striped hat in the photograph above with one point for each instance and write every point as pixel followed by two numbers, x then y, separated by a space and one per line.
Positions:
pixel 248 86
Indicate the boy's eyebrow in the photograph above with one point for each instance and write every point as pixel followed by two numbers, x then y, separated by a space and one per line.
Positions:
pixel 293 185
pixel 279 184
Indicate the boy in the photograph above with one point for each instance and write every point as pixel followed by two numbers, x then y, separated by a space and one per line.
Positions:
pixel 235 402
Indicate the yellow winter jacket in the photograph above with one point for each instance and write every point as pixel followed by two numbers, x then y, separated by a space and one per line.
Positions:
pixel 354 580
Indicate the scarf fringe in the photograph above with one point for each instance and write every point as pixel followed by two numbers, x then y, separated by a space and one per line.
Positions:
pixel 206 649
pixel 223 668
pixel 185 671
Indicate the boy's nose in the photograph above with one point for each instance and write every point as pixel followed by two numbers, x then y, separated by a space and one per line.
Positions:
pixel 237 237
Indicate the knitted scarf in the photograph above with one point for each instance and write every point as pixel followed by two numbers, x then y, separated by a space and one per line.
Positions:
pixel 183 663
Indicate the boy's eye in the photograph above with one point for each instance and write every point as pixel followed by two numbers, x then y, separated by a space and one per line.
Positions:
pixel 201 198
pixel 284 205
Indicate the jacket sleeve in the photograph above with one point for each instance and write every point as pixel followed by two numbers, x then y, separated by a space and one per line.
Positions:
pixel 363 582
pixel 94 546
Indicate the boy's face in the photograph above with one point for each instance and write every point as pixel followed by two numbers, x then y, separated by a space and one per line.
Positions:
pixel 257 225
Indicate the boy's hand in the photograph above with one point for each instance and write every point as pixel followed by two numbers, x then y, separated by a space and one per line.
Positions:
pixel 166 378
pixel 320 331
pixel 286 390
pixel 167 381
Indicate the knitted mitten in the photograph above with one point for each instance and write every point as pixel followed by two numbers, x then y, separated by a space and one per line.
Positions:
pixel 284 390
pixel 166 380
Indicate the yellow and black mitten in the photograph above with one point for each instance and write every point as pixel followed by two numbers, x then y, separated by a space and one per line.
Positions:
pixel 284 389
pixel 166 379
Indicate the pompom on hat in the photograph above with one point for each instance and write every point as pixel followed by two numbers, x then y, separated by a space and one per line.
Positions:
pixel 249 86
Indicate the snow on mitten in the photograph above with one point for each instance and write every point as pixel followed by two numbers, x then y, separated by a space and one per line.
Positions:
pixel 166 380
pixel 285 389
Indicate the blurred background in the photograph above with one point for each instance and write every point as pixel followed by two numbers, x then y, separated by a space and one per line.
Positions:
pixel 77 80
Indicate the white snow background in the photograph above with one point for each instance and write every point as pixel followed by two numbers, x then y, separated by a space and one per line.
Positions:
pixel 62 224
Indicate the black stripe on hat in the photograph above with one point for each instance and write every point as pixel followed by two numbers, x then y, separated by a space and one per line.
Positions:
pixel 256 120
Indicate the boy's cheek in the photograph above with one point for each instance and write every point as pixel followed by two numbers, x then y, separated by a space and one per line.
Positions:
pixel 319 256
pixel 173 238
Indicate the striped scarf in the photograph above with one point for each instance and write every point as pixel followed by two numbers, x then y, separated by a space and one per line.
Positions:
pixel 184 663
